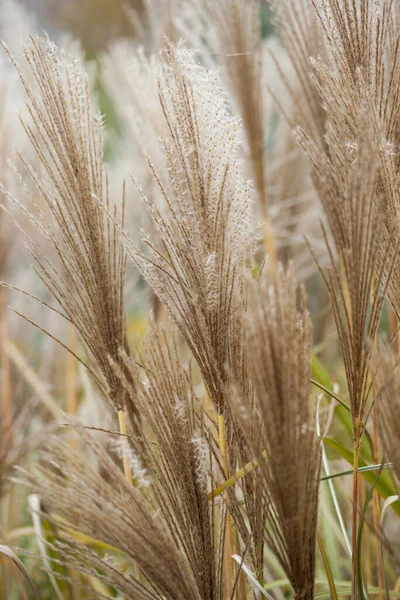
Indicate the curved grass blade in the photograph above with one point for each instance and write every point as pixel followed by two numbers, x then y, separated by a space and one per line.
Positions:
pixel 329 575
pixel 34 506
pixel 252 577
pixel 388 502
pixel 366 469
pixel 330 393
pixel 6 551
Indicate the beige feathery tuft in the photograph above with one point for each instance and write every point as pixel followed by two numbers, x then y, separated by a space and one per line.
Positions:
pixel 203 235
pixel 283 422
pixel 67 206
pixel 363 255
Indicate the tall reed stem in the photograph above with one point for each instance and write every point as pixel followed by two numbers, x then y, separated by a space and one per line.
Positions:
pixel 241 589
pixel 354 518
pixel 376 507
pixel 228 571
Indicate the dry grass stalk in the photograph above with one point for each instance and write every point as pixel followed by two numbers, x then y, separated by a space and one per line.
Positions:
pixel 357 82
pixel 197 262
pixel 347 186
pixel 231 32
pixel 250 338
pixel 348 63
pixel 283 422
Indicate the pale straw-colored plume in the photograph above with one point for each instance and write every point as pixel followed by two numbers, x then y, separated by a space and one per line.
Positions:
pixel 354 157
pixel 196 261
pixel 235 36
pixel 349 175
pixel 282 423
pixel 345 55
pixel 229 34
pixel 362 257
pixel 359 270
pixel 199 252
pixel 68 207
pixel 299 30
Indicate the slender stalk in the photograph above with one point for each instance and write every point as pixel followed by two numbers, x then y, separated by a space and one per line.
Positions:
pixel 241 589
pixel 228 571
pixel 123 430
pixel 331 581
pixel 354 518
pixel 376 507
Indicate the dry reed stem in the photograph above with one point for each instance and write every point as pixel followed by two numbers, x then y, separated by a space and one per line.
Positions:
pixel 228 550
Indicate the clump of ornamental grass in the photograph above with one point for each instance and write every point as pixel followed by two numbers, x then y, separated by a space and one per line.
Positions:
pixel 353 161
pixel 170 530
pixel 346 56
pixel 359 270
pixel 164 523
pixel 198 256
pixel 235 35
pixel 280 430
pixel 200 248
pixel 102 504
